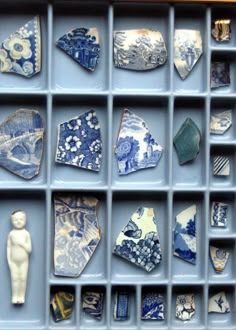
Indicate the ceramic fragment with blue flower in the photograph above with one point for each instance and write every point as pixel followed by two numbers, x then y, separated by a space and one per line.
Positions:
pixel 185 243
pixel 77 233
pixel 20 53
pixel 92 303
pixel 121 305
pixel 139 241
pixel 219 258
pixel 82 45
pixel 152 306
pixel 185 307
pixel 79 142
pixel 21 143
pixel 135 148
pixel 62 304
pixel 218 303
pixel 221 122
pixel 219 212
pixel 220 74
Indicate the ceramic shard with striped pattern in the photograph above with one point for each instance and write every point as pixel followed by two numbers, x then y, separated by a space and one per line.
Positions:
pixel 221 166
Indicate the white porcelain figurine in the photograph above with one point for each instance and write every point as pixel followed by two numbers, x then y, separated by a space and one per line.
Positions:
pixel 18 250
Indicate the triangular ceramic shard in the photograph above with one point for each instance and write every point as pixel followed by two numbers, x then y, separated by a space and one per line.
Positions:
pixel 83 45
pixel 77 233
pixel 139 240
pixel 139 50
pixel 92 303
pixel 121 306
pixel 220 74
pixel 219 214
pixel 136 148
pixel 185 307
pixel 152 306
pixel 218 303
pixel 221 166
pixel 62 305
pixel 187 50
pixel 219 258
pixel 221 30
pixel 79 142
pixel 221 122
pixel 21 143
pixel 185 235
pixel 20 53
pixel 187 141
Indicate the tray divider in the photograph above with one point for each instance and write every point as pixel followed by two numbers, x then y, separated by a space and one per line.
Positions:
pixel 77 306
pixel 49 46
pixel 138 304
pixel 170 257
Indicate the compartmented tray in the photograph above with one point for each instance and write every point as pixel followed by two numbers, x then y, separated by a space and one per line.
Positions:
pixel 63 90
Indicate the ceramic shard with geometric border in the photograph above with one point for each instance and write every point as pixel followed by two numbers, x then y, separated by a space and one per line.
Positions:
pixel 62 305
pixel 83 45
pixel 185 235
pixel 221 166
pixel 20 53
pixel 219 214
pixel 77 233
pixel 218 303
pixel 79 142
pixel 121 305
pixel 221 122
pixel 139 50
pixel 220 74
pixel 221 30
pixel 139 241
pixel 136 148
pixel 152 306
pixel 21 143
pixel 219 258
pixel 187 50
pixel 185 307
pixel 92 303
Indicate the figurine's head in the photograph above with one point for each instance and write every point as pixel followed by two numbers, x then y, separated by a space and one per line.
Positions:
pixel 18 219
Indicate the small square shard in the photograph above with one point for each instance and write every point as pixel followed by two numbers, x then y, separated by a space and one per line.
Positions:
pixel 92 303
pixel 221 122
pixel 221 166
pixel 62 305
pixel 185 307
pixel 219 258
pixel 219 213
pixel 121 305
pixel 221 30
pixel 220 74
pixel 219 304
pixel 152 306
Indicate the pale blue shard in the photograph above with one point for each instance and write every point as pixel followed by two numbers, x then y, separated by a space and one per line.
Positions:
pixel 121 306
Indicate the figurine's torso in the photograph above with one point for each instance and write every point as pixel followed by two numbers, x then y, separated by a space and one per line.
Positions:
pixel 18 239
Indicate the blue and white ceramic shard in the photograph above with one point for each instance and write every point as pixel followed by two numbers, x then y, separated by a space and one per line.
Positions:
pixel 92 303
pixel 83 45
pixel 221 122
pixel 219 214
pixel 121 306
pixel 219 258
pixel 139 50
pixel 79 142
pixel 220 74
pixel 136 148
pixel 21 143
pixel 152 306
pixel 20 53
pixel 218 303
pixel 185 307
pixel 77 233
pixel 185 235
pixel 139 241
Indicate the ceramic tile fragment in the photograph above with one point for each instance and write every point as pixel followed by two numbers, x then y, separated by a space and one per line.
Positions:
pixel 20 53
pixel 220 74
pixel 83 45
pixel 139 240
pixel 219 258
pixel 185 307
pixel 92 303
pixel 187 50
pixel 139 49
pixel 221 122
pixel 219 214
pixel 77 233
pixel 185 235
pixel 121 306
pixel 62 305
pixel 152 306
pixel 79 142
pixel 187 141
pixel 221 30
pixel 21 143
pixel 218 303
pixel 136 148
pixel 221 166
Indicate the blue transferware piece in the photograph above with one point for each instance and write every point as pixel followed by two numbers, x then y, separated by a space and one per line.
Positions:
pixel 220 74
pixel 219 258
pixel 152 306
pixel 83 45
pixel 62 304
pixel 185 235
pixel 185 307
pixel 221 122
pixel 221 30
pixel 121 306
pixel 21 143
pixel 136 148
pixel 221 166
pixel 219 213
pixel 79 142
pixel 20 53
pixel 139 241
pixel 77 233
pixel 187 50
pixel 139 50
pixel 92 303
pixel 218 304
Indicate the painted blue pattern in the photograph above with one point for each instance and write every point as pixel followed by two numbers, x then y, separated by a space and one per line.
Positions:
pixel 219 213
pixel 92 303
pixel 21 52
pixel 152 306
pixel 82 45
pixel 185 307
pixel 219 303
pixel 220 74
pixel 79 142
pixel 121 306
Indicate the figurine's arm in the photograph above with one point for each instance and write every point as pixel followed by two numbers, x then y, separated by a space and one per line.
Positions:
pixel 9 249
pixel 28 245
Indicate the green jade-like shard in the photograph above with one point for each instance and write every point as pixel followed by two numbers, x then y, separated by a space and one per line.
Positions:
pixel 187 141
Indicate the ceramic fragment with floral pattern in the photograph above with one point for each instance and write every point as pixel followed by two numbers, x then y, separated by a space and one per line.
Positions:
pixel 79 142
pixel 139 241
pixel 218 303
pixel 185 307
pixel 136 148
pixel 221 30
pixel 152 306
pixel 219 258
pixel 221 122
pixel 92 303
pixel 185 235
pixel 20 53
pixel 220 74
pixel 121 305
pixel 219 213
pixel 77 233
pixel 62 304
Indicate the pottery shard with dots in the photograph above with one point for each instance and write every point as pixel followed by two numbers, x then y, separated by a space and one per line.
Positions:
pixel 152 306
